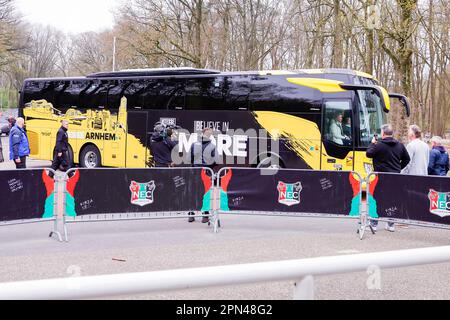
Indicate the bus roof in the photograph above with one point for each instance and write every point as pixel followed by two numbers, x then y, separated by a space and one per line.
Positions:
pixel 183 72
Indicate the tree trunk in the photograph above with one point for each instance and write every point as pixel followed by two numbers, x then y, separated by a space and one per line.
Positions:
pixel 338 45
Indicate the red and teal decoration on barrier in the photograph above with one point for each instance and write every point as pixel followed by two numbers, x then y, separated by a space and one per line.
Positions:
pixel 296 191
pixel 26 195
pixel 415 198
pixel 98 191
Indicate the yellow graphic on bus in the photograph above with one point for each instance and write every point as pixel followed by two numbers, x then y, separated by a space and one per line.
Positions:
pixel 95 133
pixel 304 138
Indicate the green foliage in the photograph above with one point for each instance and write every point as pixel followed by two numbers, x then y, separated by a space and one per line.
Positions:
pixel 8 99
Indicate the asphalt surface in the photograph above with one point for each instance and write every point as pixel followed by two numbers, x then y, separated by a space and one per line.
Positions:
pixel 27 253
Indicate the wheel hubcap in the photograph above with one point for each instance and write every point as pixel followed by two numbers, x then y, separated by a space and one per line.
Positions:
pixel 90 159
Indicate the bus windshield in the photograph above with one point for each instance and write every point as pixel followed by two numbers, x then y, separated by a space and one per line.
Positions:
pixel 371 116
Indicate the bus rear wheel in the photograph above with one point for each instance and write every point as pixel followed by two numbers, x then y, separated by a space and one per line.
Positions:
pixel 90 157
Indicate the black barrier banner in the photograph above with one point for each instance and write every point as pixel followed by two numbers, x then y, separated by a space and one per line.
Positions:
pixel 326 192
pixel 418 198
pixel 26 194
pixel 96 191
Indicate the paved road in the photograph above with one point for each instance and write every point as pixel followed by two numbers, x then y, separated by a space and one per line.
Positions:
pixel 26 253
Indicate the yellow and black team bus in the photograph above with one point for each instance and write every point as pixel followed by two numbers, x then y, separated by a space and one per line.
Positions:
pixel 322 119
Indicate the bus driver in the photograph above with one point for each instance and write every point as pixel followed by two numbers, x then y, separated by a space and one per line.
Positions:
pixel 337 132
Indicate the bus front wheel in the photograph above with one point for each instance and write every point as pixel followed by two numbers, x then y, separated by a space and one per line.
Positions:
pixel 90 157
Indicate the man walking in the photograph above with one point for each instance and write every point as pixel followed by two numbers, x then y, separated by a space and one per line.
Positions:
pixel 388 155
pixel 439 162
pixel 19 148
pixel 418 152
pixel 61 159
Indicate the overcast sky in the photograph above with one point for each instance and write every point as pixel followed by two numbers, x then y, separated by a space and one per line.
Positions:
pixel 72 16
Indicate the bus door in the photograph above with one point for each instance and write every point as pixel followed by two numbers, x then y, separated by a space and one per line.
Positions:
pixel 370 119
pixel 137 154
pixel 337 135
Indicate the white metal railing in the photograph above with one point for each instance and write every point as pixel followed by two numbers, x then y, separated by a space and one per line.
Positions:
pixel 301 271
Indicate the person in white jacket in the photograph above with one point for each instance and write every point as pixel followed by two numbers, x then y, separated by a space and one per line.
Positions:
pixel 419 152
pixel 337 132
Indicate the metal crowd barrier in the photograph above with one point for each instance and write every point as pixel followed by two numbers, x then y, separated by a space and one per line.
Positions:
pixel 99 195
pixel 125 214
pixel 261 208
pixel 408 200
pixel 23 192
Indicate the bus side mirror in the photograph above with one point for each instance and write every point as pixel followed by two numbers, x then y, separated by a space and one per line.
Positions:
pixel 404 101
pixel 379 91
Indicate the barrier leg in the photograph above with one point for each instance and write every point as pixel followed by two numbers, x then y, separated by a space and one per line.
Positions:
pixel 55 231
pixel 56 200
pixel 64 204
pixel 364 223
pixel 66 238
pixel 216 221
pixel 216 207
pixel 304 288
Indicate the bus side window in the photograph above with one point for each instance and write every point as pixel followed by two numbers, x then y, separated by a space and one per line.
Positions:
pixel 116 92
pixel 60 87
pixel 163 94
pixel 133 93
pixel 70 96
pixel 238 92
pixel 276 93
pixel 206 94
pixel 38 90
pixel 174 94
pixel 47 92
pixel 337 137
pixel 337 124
pixel 97 94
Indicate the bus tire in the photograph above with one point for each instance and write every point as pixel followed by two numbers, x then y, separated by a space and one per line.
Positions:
pixel 70 154
pixel 90 157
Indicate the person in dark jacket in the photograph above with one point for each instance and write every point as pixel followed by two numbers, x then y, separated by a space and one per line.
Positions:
pixel 61 159
pixel 162 146
pixel 19 148
pixel 203 154
pixel 439 160
pixel 389 155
